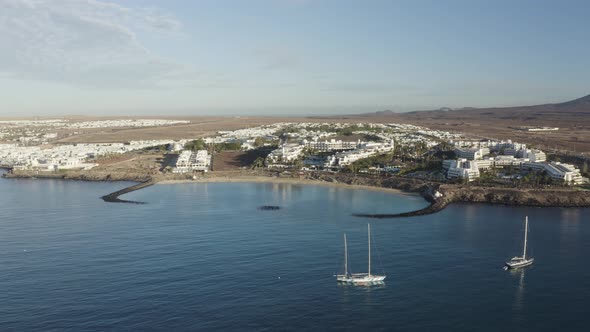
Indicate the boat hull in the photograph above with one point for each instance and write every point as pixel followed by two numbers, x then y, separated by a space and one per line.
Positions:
pixel 518 265
pixel 372 279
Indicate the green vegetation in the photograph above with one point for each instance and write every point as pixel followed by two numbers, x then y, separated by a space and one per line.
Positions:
pixel 372 138
pixel 379 160
pixel 344 131
pixel 258 163
pixel 540 178
pixel 259 141
pixel 158 148
pixel 199 144
pixel 422 166
pixel 234 146
pixel 195 145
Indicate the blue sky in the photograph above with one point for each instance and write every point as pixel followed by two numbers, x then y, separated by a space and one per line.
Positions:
pixel 287 56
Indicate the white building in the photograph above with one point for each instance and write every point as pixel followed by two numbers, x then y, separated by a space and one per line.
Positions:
pixel 331 145
pixel 365 151
pixel 65 156
pixel 189 162
pixel 472 153
pixel 287 153
pixel 534 155
pixel 462 168
pixel 558 171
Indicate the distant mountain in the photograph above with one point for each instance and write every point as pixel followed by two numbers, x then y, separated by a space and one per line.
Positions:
pixel 571 117
pixel 580 103
pixel 386 112
pixel 576 106
pixel 569 108
pixel 567 113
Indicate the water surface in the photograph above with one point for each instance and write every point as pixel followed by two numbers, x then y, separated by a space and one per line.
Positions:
pixel 203 257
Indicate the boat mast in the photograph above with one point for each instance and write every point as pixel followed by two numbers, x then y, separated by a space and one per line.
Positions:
pixel 345 256
pixel 526 228
pixel 369 235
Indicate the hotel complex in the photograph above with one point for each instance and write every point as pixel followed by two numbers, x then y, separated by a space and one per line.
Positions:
pixel 473 156
pixel 189 161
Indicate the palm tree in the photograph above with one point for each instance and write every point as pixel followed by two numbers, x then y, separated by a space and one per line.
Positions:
pixel 258 163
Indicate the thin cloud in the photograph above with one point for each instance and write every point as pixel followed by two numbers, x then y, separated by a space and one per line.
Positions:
pixel 89 43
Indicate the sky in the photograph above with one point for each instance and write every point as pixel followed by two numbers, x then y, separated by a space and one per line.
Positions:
pixel 287 57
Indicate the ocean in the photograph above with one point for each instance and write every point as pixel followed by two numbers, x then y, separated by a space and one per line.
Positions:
pixel 203 257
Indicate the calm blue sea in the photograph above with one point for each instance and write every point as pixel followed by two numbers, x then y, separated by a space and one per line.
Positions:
pixel 203 257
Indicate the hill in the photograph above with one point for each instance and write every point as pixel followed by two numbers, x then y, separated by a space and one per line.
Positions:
pixel 572 118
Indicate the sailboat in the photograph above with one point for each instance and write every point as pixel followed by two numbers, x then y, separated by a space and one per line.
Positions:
pixel 518 262
pixel 359 278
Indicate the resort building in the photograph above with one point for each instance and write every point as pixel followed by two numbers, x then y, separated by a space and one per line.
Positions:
pixel 495 146
pixel 472 153
pixel 365 151
pixel 331 145
pixel 558 171
pixel 462 168
pixel 189 161
pixel 534 155
pixel 287 153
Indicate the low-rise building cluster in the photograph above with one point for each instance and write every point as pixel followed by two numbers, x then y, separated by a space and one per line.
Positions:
pixel 363 150
pixel 285 154
pixel 38 132
pixel 189 161
pixel 69 156
pixel 331 145
pixel 474 156
pixel 313 145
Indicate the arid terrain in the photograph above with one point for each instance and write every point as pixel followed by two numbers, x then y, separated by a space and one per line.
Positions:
pixel 572 118
pixel 232 160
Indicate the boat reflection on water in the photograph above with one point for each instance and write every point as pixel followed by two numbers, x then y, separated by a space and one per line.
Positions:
pixel 519 295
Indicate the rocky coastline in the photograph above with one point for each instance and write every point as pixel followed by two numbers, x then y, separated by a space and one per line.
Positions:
pixel 79 175
pixel 438 194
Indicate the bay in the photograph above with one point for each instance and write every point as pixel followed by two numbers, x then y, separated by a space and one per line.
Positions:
pixel 203 257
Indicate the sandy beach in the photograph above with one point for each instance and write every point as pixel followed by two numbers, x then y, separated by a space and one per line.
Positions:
pixel 268 179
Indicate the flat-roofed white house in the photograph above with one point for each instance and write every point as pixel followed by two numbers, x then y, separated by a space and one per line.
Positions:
pixel 189 161
pixel 462 168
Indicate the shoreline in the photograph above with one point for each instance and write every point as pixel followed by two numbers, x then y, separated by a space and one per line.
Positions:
pixel 274 180
pixel 439 195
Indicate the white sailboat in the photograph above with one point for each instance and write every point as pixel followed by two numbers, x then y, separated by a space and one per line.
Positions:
pixel 518 262
pixel 359 278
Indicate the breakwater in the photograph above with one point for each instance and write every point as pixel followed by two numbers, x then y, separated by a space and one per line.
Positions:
pixel 443 195
pixel 144 180
pixel 114 197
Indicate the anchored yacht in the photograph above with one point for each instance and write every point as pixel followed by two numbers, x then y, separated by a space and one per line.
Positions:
pixel 359 278
pixel 518 262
